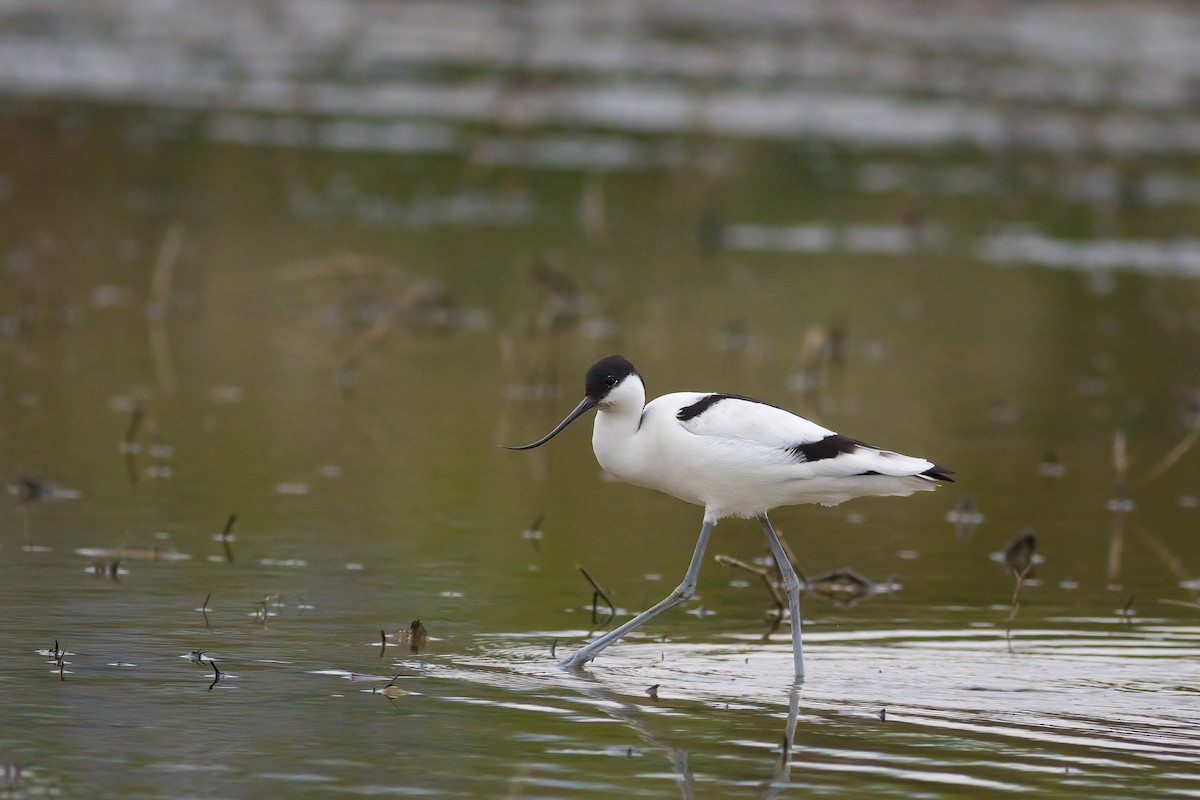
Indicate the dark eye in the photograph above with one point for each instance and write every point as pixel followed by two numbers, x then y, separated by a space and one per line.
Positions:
pixel 610 381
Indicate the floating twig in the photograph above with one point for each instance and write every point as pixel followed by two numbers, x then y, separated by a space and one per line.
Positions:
pixel 1177 452
pixel 766 575
pixel 418 637
pixel 59 658
pixel 262 611
pixel 1019 555
pixel 391 691
pixel 1012 614
pixel 845 587
pixel 534 533
pixel 1180 603
pixel 135 424
pixel 226 537
pixel 1127 609
pixel 598 593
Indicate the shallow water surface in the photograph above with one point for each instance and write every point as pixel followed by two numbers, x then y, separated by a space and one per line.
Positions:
pixel 302 706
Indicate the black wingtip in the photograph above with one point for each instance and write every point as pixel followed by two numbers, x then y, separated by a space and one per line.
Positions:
pixel 939 473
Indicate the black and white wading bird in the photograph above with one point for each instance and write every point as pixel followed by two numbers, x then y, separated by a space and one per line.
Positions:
pixel 735 456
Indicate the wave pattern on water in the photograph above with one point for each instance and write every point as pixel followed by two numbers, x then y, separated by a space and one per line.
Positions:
pixel 1069 709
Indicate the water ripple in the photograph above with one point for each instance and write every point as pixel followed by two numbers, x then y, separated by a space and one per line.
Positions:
pixel 1067 708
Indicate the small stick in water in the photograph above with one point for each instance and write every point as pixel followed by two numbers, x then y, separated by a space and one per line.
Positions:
pixel 767 576
pixel 417 636
pixel 1019 557
pixel 1180 603
pixel 1127 609
pixel 225 537
pixel 534 533
pixel 612 610
pixel 1177 452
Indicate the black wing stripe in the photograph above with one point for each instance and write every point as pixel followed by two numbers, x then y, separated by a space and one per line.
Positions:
pixel 705 403
pixel 831 446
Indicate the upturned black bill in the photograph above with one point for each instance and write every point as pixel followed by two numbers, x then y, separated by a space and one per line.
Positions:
pixel 585 404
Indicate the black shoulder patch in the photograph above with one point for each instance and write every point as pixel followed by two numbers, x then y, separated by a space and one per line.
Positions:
pixel 705 403
pixel 831 446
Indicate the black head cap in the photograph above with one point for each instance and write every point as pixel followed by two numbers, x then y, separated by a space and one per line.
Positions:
pixel 605 374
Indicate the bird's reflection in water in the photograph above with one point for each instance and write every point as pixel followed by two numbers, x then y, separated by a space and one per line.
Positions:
pixel 630 714
pixel 783 772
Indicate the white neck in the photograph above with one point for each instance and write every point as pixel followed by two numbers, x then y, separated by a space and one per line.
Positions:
pixel 617 423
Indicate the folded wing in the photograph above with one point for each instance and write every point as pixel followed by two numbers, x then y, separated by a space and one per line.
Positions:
pixel 787 436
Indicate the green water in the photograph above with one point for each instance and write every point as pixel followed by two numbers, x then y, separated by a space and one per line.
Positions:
pixel 339 340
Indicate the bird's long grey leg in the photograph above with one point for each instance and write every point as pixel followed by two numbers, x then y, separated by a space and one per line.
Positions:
pixel 682 592
pixel 791 584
